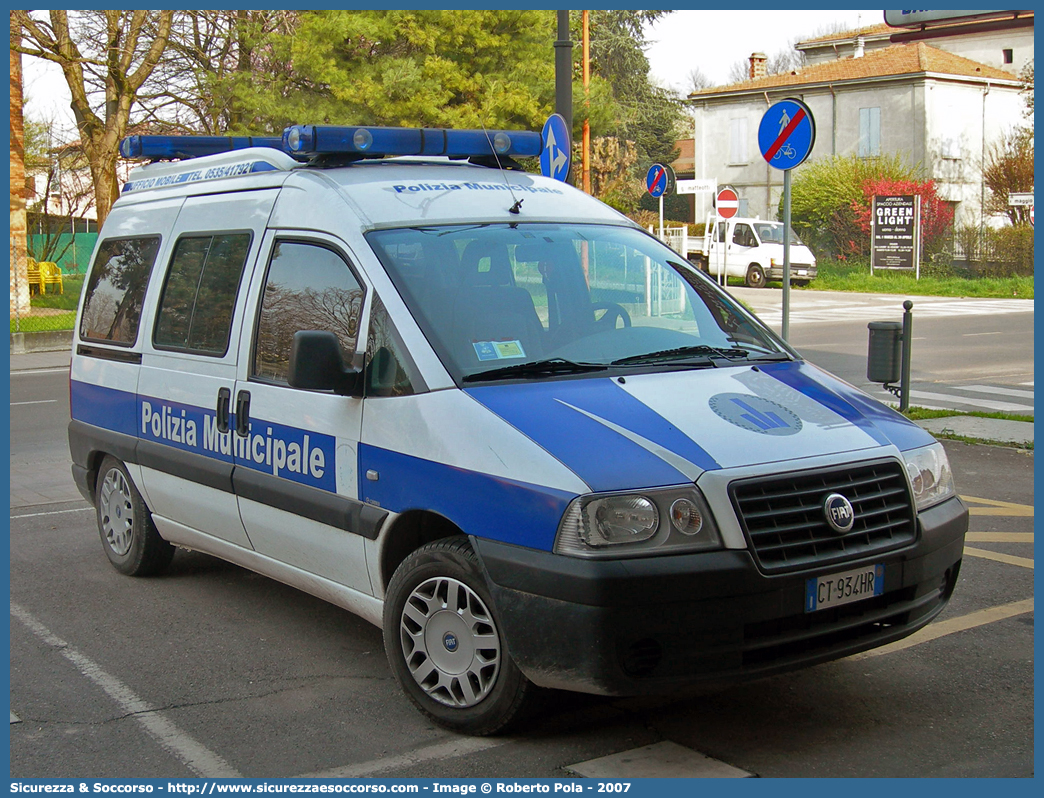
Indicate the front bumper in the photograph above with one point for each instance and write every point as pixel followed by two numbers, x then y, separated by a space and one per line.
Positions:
pixel 798 271
pixel 651 625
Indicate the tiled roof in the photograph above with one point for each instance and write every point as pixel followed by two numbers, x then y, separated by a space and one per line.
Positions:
pixel 896 60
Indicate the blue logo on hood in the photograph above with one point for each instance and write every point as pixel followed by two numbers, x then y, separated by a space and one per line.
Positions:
pixel 755 414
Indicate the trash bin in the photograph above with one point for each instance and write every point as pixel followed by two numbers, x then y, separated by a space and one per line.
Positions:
pixel 884 359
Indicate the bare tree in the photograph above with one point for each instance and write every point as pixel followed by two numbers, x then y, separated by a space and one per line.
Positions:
pixel 224 65
pixel 1009 168
pixel 19 278
pixel 62 191
pixel 696 80
pixel 106 58
pixel 788 59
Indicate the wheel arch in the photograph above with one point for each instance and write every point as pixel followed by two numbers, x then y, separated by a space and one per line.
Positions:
pixel 407 533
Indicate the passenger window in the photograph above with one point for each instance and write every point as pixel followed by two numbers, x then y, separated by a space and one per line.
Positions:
pixel 195 311
pixel 744 236
pixel 308 287
pixel 389 372
pixel 116 289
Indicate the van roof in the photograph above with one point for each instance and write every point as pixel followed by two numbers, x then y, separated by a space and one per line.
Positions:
pixel 387 192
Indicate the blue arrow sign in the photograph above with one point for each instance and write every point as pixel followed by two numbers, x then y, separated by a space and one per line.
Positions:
pixel 786 134
pixel 656 180
pixel 555 158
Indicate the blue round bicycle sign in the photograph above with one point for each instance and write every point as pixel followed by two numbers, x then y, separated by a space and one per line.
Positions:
pixel 786 134
pixel 657 180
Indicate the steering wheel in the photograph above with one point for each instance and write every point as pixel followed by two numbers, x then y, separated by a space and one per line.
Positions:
pixel 613 312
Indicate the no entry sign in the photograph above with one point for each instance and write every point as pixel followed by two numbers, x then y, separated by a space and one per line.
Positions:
pixel 727 203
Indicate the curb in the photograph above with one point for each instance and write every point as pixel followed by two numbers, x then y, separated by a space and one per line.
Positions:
pixel 52 341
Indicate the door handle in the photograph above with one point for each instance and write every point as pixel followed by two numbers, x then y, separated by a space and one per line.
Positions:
pixel 243 413
pixel 223 403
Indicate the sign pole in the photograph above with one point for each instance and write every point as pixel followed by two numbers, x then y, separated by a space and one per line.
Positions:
pixel 786 136
pixel 661 217
pixel 786 255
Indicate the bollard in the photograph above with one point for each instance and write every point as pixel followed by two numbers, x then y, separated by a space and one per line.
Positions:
pixel 889 352
pixel 904 384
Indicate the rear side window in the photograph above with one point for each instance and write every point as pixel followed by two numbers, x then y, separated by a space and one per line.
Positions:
pixel 116 289
pixel 195 311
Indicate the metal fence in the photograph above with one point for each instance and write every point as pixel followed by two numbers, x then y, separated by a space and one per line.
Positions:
pixel 37 317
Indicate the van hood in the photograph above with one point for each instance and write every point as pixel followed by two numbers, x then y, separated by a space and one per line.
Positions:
pixel 648 430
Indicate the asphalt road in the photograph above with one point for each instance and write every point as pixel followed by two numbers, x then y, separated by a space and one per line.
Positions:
pixel 967 354
pixel 211 670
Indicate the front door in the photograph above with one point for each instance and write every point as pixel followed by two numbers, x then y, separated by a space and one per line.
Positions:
pixel 296 451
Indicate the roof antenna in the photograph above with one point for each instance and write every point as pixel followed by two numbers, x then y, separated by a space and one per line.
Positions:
pixel 517 206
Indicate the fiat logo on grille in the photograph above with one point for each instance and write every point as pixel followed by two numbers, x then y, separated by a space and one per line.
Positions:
pixel 839 513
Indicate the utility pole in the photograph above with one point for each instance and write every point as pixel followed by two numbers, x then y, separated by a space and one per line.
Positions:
pixel 564 71
pixel 585 152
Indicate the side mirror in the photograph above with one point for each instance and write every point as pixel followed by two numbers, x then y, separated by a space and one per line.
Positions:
pixel 316 364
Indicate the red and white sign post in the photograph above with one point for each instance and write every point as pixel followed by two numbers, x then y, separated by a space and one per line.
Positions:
pixel 726 205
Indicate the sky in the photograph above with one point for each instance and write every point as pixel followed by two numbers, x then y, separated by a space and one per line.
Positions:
pixel 715 40
pixel 681 41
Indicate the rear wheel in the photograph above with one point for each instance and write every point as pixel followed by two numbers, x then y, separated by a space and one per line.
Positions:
pixel 755 276
pixel 129 537
pixel 444 642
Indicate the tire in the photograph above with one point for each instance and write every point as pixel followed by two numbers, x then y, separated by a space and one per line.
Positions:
pixel 128 535
pixel 444 645
pixel 755 276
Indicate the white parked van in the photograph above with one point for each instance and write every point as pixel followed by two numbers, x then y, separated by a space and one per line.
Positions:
pixel 750 250
pixel 486 412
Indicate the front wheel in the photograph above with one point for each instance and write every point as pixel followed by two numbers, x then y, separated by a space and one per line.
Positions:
pixel 755 276
pixel 445 645
pixel 128 535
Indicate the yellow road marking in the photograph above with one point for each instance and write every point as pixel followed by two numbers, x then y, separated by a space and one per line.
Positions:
pixel 999 537
pixel 999 508
pixel 952 625
pixel 1025 562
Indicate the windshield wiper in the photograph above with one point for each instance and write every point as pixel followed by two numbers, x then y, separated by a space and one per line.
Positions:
pixel 536 368
pixel 684 352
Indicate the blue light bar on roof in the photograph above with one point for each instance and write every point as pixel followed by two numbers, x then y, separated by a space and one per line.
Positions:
pixel 305 141
pixel 178 147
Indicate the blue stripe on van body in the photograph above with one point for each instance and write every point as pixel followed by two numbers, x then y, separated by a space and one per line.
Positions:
pixel 601 457
pixel 882 423
pixel 303 456
pixel 480 504
pixel 108 408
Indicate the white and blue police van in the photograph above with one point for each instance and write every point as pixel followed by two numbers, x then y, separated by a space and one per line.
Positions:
pixel 491 415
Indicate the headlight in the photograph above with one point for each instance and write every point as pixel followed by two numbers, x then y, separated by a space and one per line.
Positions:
pixel 930 475
pixel 661 521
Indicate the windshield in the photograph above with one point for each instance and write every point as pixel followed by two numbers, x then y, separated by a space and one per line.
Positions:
pixel 772 233
pixel 507 301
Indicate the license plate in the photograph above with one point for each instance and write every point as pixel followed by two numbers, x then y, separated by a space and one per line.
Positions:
pixel 837 589
pixel 802 272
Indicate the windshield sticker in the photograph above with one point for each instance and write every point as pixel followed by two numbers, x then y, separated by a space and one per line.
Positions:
pixel 498 350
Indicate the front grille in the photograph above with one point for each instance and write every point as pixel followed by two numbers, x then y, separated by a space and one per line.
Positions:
pixel 785 523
